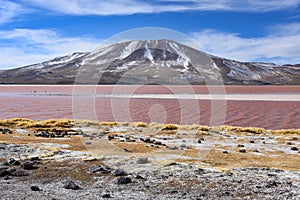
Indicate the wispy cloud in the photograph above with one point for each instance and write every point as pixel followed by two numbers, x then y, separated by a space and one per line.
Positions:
pixel 281 46
pixel 21 47
pixel 9 10
pixel 127 7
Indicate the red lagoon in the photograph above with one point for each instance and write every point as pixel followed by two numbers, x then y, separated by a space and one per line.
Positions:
pixel 120 103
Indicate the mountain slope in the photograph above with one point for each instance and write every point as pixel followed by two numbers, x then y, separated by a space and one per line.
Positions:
pixel 150 62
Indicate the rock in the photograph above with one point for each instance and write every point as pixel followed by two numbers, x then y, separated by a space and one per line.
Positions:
pixel 172 147
pixel 101 134
pixel 294 149
pixel 28 165
pixel 35 188
pixel 119 172
pixel 3 171
pixel 106 196
pixel 183 146
pixel 242 151
pixel 110 137
pixel 241 145
pixel 99 169
pixel 14 162
pixel 71 185
pixel 252 141
pixel 11 170
pixel 226 152
pixel 19 173
pixel 289 143
pixel 142 161
pixel 34 158
pixel 124 180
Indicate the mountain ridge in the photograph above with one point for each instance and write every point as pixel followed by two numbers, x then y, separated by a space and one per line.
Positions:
pixel 151 62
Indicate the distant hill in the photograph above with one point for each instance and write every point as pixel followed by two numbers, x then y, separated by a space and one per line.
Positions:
pixel 151 62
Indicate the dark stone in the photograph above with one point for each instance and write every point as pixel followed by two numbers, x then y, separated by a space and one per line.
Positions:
pixel 252 141
pixel 14 162
pixel 106 196
pixel 226 152
pixel 241 145
pixel 242 151
pixel 124 180
pixel 19 173
pixel 6 130
pixel 101 134
pixel 110 137
pixel 289 143
pixel 99 169
pixel 139 177
pixel 272 184
pixel 147 140
pixel 11 170
pixel 70 185
pixel 119 172
pixel 34 158
pixel 28 165
pixel 142 161
pixel 35 188
pixel 294 149
pixel 3 171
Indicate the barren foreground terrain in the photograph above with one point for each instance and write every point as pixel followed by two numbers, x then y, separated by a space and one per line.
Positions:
pixel 67 159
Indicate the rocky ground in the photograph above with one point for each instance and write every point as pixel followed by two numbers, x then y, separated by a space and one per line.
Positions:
pixel 89 160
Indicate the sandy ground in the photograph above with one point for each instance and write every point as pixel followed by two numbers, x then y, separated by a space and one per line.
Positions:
pixel 91 160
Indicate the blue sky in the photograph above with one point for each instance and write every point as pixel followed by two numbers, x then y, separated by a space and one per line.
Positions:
pixel 32 31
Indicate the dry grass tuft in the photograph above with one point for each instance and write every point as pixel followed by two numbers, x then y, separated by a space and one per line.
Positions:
pixel 203 128
pixel 140 124
pixel 110 124
pixel 170 127
pixel 286 131
pixel 243 129
pixel 27 123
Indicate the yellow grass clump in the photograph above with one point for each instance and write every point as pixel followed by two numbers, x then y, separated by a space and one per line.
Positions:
pixel 243 129
pixel 50 123
pixel 140 124
pixel 170 127
pixel 15 122
pixel 286 131
pixel 203 128
pixel 110 124
pixel 27 123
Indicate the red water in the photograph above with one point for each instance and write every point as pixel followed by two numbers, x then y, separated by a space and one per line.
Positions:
pixel 44 102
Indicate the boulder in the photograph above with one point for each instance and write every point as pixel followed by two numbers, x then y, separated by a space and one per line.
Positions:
pixel 124 180
pixel 71 185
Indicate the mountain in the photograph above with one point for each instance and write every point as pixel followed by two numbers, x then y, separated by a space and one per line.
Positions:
pixel 150 62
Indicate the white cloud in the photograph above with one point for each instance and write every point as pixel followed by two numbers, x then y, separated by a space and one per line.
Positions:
pixel 9 10
pixel 277 47
pixel 22 47
pixel 127 7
